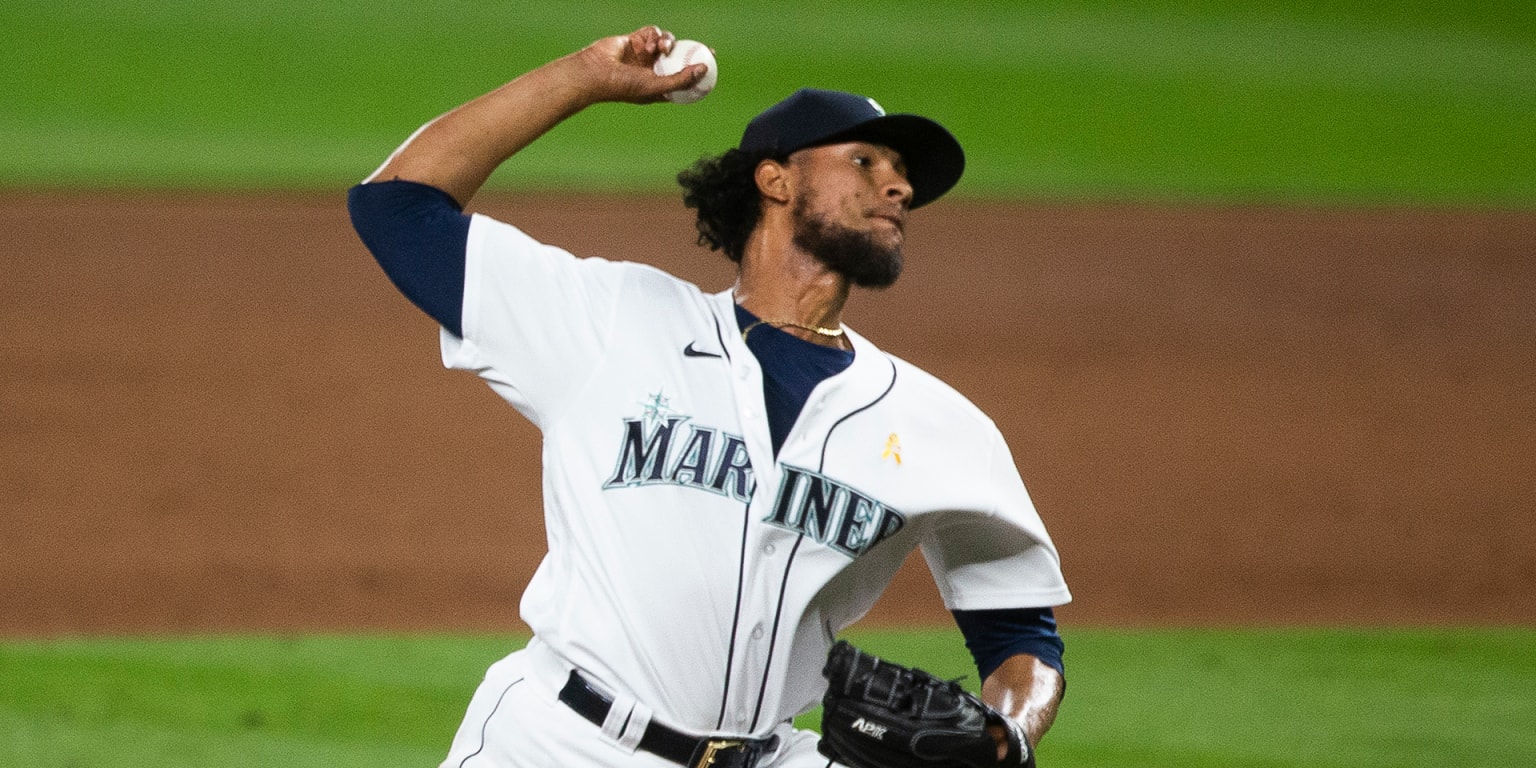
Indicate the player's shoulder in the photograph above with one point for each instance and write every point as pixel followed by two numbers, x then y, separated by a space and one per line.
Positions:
pixel 919 388
pixel 651 279
pixel 495 235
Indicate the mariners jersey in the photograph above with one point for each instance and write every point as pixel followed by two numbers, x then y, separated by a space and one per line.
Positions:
pixel 689 567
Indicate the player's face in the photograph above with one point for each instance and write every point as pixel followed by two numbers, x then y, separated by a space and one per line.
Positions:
pixel 852 210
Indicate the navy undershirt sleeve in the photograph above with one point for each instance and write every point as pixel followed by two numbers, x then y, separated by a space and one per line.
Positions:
pixel 418 234
pixel 994 636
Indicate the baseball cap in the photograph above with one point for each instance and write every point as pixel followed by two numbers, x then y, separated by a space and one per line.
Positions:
pixel 813 117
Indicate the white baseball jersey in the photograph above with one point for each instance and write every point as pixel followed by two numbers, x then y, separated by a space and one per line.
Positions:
pixel 689 567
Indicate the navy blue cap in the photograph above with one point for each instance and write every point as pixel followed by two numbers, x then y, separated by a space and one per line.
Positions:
pixel 812 117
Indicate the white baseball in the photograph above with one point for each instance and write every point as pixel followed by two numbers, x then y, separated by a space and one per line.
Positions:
pixel 683 54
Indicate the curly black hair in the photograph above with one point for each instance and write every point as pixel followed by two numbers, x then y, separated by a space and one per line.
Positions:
pixel 724 191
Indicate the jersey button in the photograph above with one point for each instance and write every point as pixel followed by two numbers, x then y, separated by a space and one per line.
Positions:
pixel 757 632
pixel 768 549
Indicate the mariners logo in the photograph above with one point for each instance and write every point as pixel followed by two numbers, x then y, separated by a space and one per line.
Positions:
pixel 663 447
pixel 832 513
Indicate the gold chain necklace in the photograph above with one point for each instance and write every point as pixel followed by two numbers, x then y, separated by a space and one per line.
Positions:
pixel 831 333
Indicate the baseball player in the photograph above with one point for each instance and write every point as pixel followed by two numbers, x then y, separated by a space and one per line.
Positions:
pixel 732 478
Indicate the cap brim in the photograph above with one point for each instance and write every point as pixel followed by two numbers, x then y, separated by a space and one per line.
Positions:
pixel 933 156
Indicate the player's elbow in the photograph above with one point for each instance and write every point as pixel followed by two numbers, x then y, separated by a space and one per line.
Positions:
pixel 418 236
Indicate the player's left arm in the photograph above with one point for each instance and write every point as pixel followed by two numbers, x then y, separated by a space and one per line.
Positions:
pixel 1018 652
pixel 1026 690
pixel 985 562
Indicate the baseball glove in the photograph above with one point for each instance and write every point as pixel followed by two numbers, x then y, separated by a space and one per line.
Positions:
pixel 877 714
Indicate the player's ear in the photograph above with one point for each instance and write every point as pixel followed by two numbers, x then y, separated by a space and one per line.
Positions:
pixel 774 181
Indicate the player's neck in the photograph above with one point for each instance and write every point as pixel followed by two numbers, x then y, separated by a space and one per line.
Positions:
pixel 782 284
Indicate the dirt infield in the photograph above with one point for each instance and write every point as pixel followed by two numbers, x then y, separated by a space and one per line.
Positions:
pixel 216 414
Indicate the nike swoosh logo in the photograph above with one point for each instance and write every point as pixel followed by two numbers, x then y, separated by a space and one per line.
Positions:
pixel 689 351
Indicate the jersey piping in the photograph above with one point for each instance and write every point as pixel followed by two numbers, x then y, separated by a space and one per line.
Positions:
pixel 720 337
pixel 778 613
pixel 741 577
pixel 784 584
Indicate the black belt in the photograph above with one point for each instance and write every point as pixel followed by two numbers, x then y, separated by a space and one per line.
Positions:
pixel 680 748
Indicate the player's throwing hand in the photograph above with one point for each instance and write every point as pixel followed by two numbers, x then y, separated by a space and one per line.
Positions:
pixel 619 68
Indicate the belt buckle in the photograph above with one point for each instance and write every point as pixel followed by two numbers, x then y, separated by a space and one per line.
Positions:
pixel 712 748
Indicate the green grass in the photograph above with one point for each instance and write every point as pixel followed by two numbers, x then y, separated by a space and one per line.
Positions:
pixel 1139 699
pixel 1359 101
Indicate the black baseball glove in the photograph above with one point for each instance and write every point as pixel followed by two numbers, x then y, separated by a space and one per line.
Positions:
pixel 877 714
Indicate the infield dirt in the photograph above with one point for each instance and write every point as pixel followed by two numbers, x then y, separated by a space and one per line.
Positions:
pixel 216 414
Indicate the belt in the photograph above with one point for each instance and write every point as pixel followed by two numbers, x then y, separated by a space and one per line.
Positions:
pixel 680 748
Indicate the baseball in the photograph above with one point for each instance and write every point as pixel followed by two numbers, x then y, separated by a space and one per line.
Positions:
pixel 684 53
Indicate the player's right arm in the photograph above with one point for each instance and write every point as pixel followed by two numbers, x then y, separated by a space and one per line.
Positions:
pixel 457 152
pixel 410 211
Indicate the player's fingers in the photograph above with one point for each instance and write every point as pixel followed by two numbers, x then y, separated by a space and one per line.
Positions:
pixel 686 77
pixel 657 88
pixel 649 42
pixel 632 48
pixel 637 53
